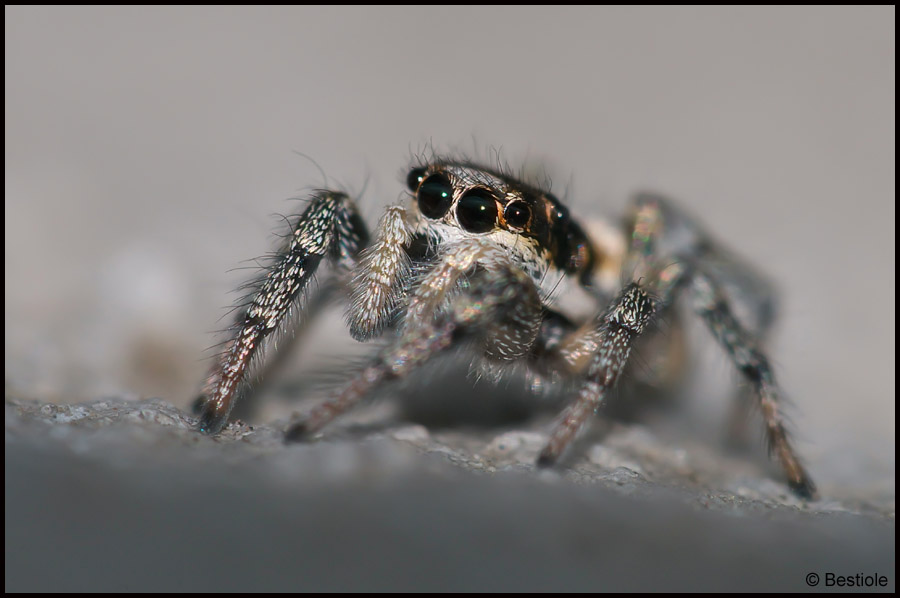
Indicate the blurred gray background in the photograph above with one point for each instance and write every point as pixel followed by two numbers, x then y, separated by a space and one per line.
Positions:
pixel 146 149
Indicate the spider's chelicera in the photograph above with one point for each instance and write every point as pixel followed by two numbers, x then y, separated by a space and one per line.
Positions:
pixel 471 257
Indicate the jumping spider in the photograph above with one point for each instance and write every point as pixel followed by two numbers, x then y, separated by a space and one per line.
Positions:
pixel 472 257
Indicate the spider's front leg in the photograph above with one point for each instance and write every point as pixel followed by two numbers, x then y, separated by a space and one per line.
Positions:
pixel 499 306
pixel 330 228
pixel 601 352
pixel 598 351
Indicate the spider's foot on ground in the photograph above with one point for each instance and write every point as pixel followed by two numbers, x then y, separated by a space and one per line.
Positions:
pixel 211 421
pixel 545 460
pixel 298 432
pixel 804 488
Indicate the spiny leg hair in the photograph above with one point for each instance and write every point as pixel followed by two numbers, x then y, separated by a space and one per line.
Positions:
pixel 329 228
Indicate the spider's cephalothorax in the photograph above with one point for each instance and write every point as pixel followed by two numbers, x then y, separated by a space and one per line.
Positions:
pixel 471 257
pixel 459 201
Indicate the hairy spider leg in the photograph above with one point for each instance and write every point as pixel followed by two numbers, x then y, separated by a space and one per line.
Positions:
pixel 753 296
pixel 605 348
pixel 330 228
pixel 601 350
pixel 712 269
pixel 711 304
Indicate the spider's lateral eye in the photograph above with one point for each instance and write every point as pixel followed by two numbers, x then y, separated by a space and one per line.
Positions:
pixel 560 212
pixel 517 214
pixel 414 178
pixel 435 196
pixel 477 211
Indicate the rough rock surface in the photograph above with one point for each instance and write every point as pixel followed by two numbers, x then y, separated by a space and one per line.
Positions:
pixel 123 495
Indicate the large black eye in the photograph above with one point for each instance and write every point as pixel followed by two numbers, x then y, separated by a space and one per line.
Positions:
pixel 517 214
pixel 435 196
pixel 415 177
pixel 477 211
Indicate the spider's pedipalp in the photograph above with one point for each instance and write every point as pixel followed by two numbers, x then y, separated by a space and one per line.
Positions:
pixel 380 277
pixel 500 303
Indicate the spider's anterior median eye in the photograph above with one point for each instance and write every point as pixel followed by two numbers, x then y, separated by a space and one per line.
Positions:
pixel 477 211
pixel 517 214
pixel 435 196
pixel 415 177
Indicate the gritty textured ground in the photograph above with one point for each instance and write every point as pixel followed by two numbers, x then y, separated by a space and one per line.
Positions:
pixel 124 495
